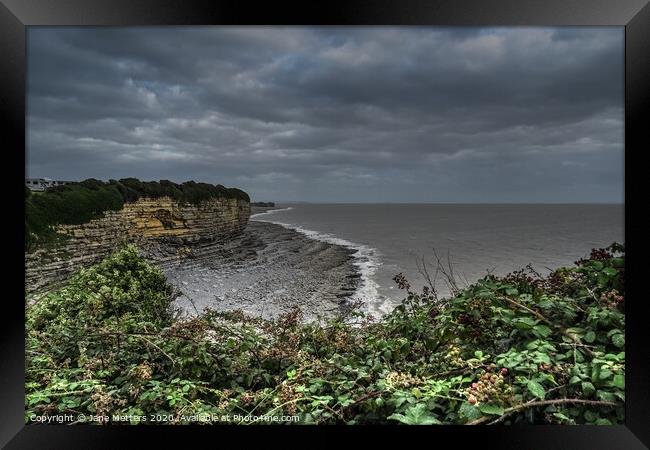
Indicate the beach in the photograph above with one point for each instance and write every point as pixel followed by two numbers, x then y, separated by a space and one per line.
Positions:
pixel 266 271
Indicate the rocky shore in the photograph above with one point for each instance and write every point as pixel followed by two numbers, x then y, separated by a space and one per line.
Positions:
pixel 266 271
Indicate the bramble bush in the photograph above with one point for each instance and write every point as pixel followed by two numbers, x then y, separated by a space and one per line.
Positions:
pixel 519 349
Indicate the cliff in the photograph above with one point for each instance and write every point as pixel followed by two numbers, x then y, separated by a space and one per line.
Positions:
pixel 164 228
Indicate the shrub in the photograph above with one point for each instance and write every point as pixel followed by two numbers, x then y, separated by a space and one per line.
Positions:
pixel 514 349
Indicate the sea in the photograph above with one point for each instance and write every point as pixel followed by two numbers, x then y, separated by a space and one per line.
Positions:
pixel 471 240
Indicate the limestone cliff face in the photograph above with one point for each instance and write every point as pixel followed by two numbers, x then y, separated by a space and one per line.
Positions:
pixel 163 228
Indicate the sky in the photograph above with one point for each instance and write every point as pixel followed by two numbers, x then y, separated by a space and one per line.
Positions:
pixel 335 114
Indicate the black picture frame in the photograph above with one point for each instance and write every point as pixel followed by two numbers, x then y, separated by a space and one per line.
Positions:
pixel 16 15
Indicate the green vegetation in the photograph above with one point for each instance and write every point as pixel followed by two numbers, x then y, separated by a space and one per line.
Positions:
pixel 516 349
pixel 81 202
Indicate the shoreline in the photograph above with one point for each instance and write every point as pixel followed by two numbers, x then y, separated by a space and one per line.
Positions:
pixel 365 261
pixel 266 271
pixel 259 210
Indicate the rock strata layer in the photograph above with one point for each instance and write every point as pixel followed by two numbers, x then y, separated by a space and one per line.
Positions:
pixel 163 228
pixel 265 271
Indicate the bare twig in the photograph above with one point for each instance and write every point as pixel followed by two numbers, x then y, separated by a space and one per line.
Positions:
pixel 425 273
pixel 451 272
pixel 525 308
pixel 532 270
pixel 447 271
pixel 196 310
pixel 467 283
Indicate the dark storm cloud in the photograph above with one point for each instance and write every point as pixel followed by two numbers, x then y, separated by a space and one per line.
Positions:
pixel 334 114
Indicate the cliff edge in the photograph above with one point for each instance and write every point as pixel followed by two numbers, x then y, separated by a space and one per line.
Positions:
pixel 165 224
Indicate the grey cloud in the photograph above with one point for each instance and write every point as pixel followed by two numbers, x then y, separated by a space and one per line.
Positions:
pixel 336 113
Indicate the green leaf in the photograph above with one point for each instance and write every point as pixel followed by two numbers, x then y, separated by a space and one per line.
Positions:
pixel 619 381
pixel 605 396
pixel 416 415
pixel 485 293
pixel 542 330
pixel 602 280
pixel 536 389
pixel 542 357
pixel 604 374
pixel 618 340
pixel 469 412
pixel 613 331
pixel 595 373
pixel 610 271
pixel 512 291
pixel 597 265
pixel 321 400
pixel 587 388
pixel 590 337
pixel 491 409
pixel 618 262
pixel 562 417
pixel 345 400
pixel 524 323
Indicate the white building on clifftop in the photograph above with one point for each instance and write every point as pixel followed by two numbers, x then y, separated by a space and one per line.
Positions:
pixel 40 184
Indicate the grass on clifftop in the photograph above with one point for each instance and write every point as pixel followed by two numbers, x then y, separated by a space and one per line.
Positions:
pixel 519 349
pixel 81 202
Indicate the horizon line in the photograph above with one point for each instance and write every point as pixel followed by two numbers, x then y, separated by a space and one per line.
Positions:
pixel 432 203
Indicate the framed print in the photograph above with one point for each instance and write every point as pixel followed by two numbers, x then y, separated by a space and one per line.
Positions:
pixel 364 217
